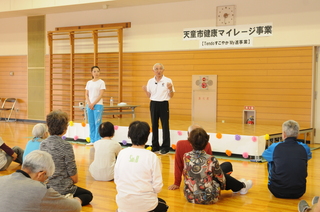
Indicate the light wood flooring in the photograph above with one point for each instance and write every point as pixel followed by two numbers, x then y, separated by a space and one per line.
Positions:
pixel 257 199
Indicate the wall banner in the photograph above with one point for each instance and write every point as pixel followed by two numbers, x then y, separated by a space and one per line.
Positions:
pixel 228 36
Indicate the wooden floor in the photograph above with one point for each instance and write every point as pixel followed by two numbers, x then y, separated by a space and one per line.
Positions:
pixel 257 199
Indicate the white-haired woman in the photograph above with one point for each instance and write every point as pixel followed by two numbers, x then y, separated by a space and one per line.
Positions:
pixel 39 132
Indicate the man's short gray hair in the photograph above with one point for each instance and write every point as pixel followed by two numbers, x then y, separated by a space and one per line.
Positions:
pixel 37 161
pixel 291 128
pixel 192 127
pixel 158 64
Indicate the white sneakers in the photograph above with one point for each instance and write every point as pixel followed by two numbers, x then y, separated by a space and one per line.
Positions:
pixel 247 183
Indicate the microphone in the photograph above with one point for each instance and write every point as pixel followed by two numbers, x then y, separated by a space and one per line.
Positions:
pixel 156 83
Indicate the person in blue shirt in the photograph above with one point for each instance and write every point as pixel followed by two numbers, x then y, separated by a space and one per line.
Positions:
pixel 39 132
pixel 288 163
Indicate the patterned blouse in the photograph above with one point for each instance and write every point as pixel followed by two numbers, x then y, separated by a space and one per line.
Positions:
pixel 64 160
pixel 203 177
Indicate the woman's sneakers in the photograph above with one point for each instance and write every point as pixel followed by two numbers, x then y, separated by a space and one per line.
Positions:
pixel 248 184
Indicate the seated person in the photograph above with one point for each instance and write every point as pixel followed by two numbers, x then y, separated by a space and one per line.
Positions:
pixel 39 132
pixel 137 174
pixel 303 206
pixel 65 176
pixel 287 163
pixel 7 155
pixel 182 147
pixel 25 190
pixel 105 154
pixel 204 178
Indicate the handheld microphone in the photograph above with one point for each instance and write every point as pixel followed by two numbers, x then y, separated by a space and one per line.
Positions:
pixel 156 83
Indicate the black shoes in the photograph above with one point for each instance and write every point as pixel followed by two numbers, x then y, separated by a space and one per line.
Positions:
pixel 161 152
pixel 164 152
pixel 155 150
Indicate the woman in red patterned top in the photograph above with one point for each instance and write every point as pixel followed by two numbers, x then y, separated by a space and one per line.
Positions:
pixel 204 178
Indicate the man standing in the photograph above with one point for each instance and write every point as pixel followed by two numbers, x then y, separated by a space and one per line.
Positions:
pixel 160 90
pixel 287 163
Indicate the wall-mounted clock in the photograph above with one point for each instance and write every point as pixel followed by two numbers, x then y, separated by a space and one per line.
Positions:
pixel 226 15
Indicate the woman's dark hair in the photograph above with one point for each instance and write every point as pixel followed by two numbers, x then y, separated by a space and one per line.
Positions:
pixel 198 138
pixel 106 129
pixel 57 122
pixel 139 132
pixel 93 68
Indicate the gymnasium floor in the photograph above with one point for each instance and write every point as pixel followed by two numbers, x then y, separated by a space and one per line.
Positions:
pixel 257 199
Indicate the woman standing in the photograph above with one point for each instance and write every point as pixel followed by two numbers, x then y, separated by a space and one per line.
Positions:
pixel 94 92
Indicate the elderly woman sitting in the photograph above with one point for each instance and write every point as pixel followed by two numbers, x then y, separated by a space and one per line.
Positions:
pixel 66 175
pixel 39 132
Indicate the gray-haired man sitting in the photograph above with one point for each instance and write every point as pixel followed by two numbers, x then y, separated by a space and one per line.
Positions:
pixel 25 190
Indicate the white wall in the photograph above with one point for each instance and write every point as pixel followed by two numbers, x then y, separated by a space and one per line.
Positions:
pixel 14 5
pixel 160 27
pixel 13 36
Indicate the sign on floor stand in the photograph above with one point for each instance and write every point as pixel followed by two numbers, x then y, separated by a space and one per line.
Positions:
pixel 204 98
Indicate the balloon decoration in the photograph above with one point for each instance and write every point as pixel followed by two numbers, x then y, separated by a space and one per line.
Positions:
pixel 238 137
pixel 173 146
pixel 149 148
pixel 75 137
pixel 70 123
pixel 179 132
pixel 83 124
pixel 228 152
pixel 267 136
pixel 64 137
pixel 88 139
pixel 116 127
pixel 124 142
pixel 219 135
pixel 245 155
pixel 254 138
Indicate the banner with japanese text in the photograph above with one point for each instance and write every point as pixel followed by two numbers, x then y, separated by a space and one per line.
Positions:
pixel 227 36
